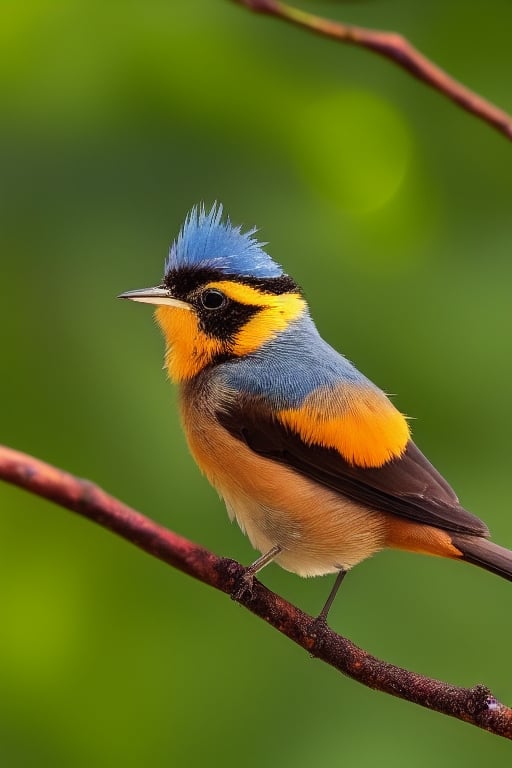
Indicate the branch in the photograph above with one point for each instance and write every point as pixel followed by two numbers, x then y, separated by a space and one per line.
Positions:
pixel 396 48
pixel 473 705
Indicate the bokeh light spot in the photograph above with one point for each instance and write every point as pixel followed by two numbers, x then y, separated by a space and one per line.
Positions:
pixel 354 148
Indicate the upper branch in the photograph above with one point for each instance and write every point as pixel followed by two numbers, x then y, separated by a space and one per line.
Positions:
pixel 473 705
pixel 396 48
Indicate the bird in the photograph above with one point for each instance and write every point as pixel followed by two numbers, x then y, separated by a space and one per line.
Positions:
pixel 313 460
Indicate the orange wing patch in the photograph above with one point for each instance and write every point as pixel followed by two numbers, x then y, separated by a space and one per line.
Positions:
pixel 359 422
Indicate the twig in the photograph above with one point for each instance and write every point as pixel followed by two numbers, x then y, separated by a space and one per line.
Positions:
pixel 396 48
pixel 473 705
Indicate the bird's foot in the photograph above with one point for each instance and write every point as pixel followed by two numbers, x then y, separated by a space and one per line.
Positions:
pixel 244 587
pixel 244 584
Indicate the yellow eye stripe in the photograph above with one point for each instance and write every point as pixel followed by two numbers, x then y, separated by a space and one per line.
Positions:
pixel 277 312
pixel 190 349
pixel 244 294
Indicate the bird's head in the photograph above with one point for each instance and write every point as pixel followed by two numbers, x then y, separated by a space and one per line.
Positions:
pixel 222 296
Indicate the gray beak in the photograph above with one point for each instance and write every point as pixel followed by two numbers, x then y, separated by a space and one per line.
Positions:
pixel 159 295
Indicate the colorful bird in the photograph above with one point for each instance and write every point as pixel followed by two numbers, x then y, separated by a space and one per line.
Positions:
pixel 313 461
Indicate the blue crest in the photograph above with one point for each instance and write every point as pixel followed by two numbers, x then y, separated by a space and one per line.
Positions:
pixel 206 240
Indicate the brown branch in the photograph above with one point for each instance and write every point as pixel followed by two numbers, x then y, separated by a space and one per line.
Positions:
pixel 396 48
pixel 473 705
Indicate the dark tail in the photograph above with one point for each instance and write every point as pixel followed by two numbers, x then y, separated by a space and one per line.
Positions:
pixel 484 553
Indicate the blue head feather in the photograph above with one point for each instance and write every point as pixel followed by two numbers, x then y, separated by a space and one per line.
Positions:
pixel 207 241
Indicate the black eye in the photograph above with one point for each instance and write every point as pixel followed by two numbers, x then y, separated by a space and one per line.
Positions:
pixel 213 299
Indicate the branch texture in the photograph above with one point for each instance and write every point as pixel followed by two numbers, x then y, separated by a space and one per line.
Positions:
pixel 396 48
pixel 475 705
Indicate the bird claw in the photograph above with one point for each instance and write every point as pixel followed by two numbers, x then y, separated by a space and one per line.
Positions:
pixel 244 587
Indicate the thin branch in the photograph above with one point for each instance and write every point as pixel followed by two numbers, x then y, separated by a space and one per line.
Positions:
pixel 396 48
pixel 475 705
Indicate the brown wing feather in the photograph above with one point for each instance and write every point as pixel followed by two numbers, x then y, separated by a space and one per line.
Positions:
pixel 409 486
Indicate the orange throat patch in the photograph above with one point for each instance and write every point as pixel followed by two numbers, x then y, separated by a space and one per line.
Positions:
pixel 188 349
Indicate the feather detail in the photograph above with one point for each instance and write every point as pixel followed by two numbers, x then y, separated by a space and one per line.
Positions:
pixel 359 422
pixel 408 486
pixel 207 240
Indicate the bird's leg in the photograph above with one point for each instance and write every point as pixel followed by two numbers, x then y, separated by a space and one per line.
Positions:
pixel 245 583
pixel 322 616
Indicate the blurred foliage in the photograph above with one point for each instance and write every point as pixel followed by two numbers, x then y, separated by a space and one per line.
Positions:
pixel 392 207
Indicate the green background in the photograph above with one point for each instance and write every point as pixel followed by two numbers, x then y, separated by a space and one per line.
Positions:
pixel 392 208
